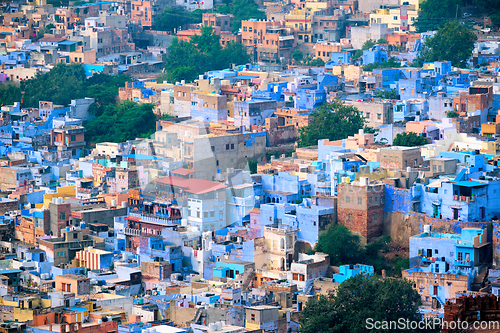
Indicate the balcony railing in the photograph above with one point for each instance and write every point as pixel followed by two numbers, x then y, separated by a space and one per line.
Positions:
pixel 428 259
pixel 463 198
pixel 160 218
pixel 132 232
pixel 464 263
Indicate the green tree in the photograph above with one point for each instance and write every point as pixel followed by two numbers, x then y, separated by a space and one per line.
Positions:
pixel 104 89
pixel 333 121
pixel 48 27
pixel 9 93
pixel 316 62
pixel 252 166
pixel 297 56
pixel 387 94
pixel 368 45
pixel 410 139
pixel 341 245
pixel 233 53
pixel 60 85
pixel 452 114
pixel 370 130
pixel 453 42
pixel 121 122
pixel 242 10
pixel 435 13
pixel 174 18
pixel 382 41
pixel 391 63
pixel 359 300
pixel 186 60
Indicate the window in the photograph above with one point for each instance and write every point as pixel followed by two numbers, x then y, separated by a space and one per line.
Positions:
pixel 436 251
pixel 253 317
pixel 375 218
pixel 360 201
pixel 62 215
pixel 395 18
pixel 350 217
pixel 348 199
pixel 460 256
pixel 232 145
pixel 73 138
pixel 205 215
pixel 379 116
pixel 75 235
pixel 227 147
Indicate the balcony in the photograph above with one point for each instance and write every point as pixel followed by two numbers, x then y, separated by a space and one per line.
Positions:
pixel 132 232
pixel 463 198
pixel 158 218
pixel 429 260
pixel 464 263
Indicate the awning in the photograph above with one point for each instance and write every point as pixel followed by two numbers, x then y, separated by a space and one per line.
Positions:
pixel 456 207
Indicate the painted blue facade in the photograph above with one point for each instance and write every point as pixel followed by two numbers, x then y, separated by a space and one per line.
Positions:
pixel 442 67
pixel 228 269
pixel 397 200
pixel 443 292
pixel 273 92
pixel 284 188
pixel 310 220
pixel 156 247
pixel 415 88
pixel 340 58
pixel 457 250
pixel 390 76
pixel 377 54
pixel 348 271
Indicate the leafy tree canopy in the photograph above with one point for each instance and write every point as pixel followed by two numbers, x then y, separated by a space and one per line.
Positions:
pixel 60 85
pixel 387 94
pixel 358 299
pixel 121 122
pixel 341 245
pixel 186 60
pixel 453 42
pixel 112 122
pixel 316 62
pixel 368 45
pixel 435 13
pixel 9 93
pixel 344 248
pixel 297 55
pixel 175 18
pixel 391 63
pixel 242 10
pixel 333 121
pixel 410 139
pixel 66 82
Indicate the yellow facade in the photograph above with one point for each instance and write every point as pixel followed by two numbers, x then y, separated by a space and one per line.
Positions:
pixel 26 314
pixel 62 192
pixel 393 16
pixel 301 20
pixel 251 326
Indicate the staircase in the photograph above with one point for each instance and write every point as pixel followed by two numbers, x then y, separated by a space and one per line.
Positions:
pixel 197 316
pixel 441 303
pixel 246 279
pixel 309 287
